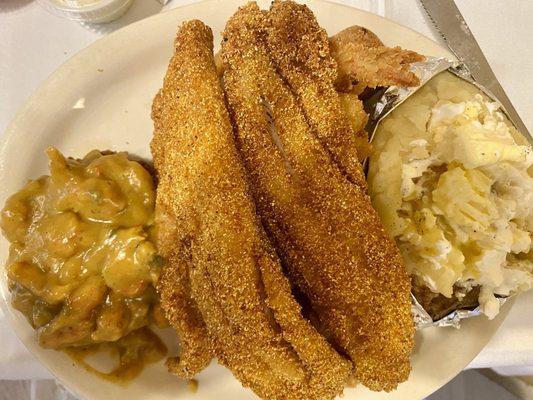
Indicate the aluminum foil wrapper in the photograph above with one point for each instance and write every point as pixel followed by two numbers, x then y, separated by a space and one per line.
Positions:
pixel 423 319
pixel 388 100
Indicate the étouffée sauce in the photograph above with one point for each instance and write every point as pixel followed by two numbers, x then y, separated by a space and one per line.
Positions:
pixel 82 263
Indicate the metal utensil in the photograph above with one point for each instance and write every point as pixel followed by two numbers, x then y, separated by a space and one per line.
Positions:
pixel 452 27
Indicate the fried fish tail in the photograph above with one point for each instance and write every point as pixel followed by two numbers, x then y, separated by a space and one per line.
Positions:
pixel 195 349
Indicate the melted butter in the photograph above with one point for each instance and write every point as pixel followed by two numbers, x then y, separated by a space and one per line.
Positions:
pixel 82 264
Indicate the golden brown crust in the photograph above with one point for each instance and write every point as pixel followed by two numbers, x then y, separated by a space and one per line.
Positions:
pixel 300 50
pixel 363 61
pixel 330 238
pixel 174 284
pixel 355 112
pixel 251 318
pixel 180 309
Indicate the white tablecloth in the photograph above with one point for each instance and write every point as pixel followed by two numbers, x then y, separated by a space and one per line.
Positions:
pixel 33 43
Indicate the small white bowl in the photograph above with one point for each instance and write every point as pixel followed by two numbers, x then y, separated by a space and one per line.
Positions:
pixel 95 11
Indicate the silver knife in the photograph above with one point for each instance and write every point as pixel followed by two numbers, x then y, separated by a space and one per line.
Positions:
pixel 452 27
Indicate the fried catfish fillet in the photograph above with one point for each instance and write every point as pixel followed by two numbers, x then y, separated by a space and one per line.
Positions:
pixel 174 285
pixel 364 61
pixel 234 276
pixel 329 237
pixel 300 49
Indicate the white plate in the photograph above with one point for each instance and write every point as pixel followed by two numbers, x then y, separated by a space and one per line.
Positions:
pixel 101 98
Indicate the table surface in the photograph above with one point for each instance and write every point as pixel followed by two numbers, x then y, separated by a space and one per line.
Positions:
pixel 34 43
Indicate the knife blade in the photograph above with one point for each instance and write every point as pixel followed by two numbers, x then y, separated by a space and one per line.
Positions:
pixel 454 30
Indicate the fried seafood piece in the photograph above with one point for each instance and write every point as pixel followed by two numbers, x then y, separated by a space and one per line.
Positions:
pixel 364 61
pixel 329 237
pixel 354 110
pixel 174 285
pixel 300 50
pixel 174 288
pixel 234 276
